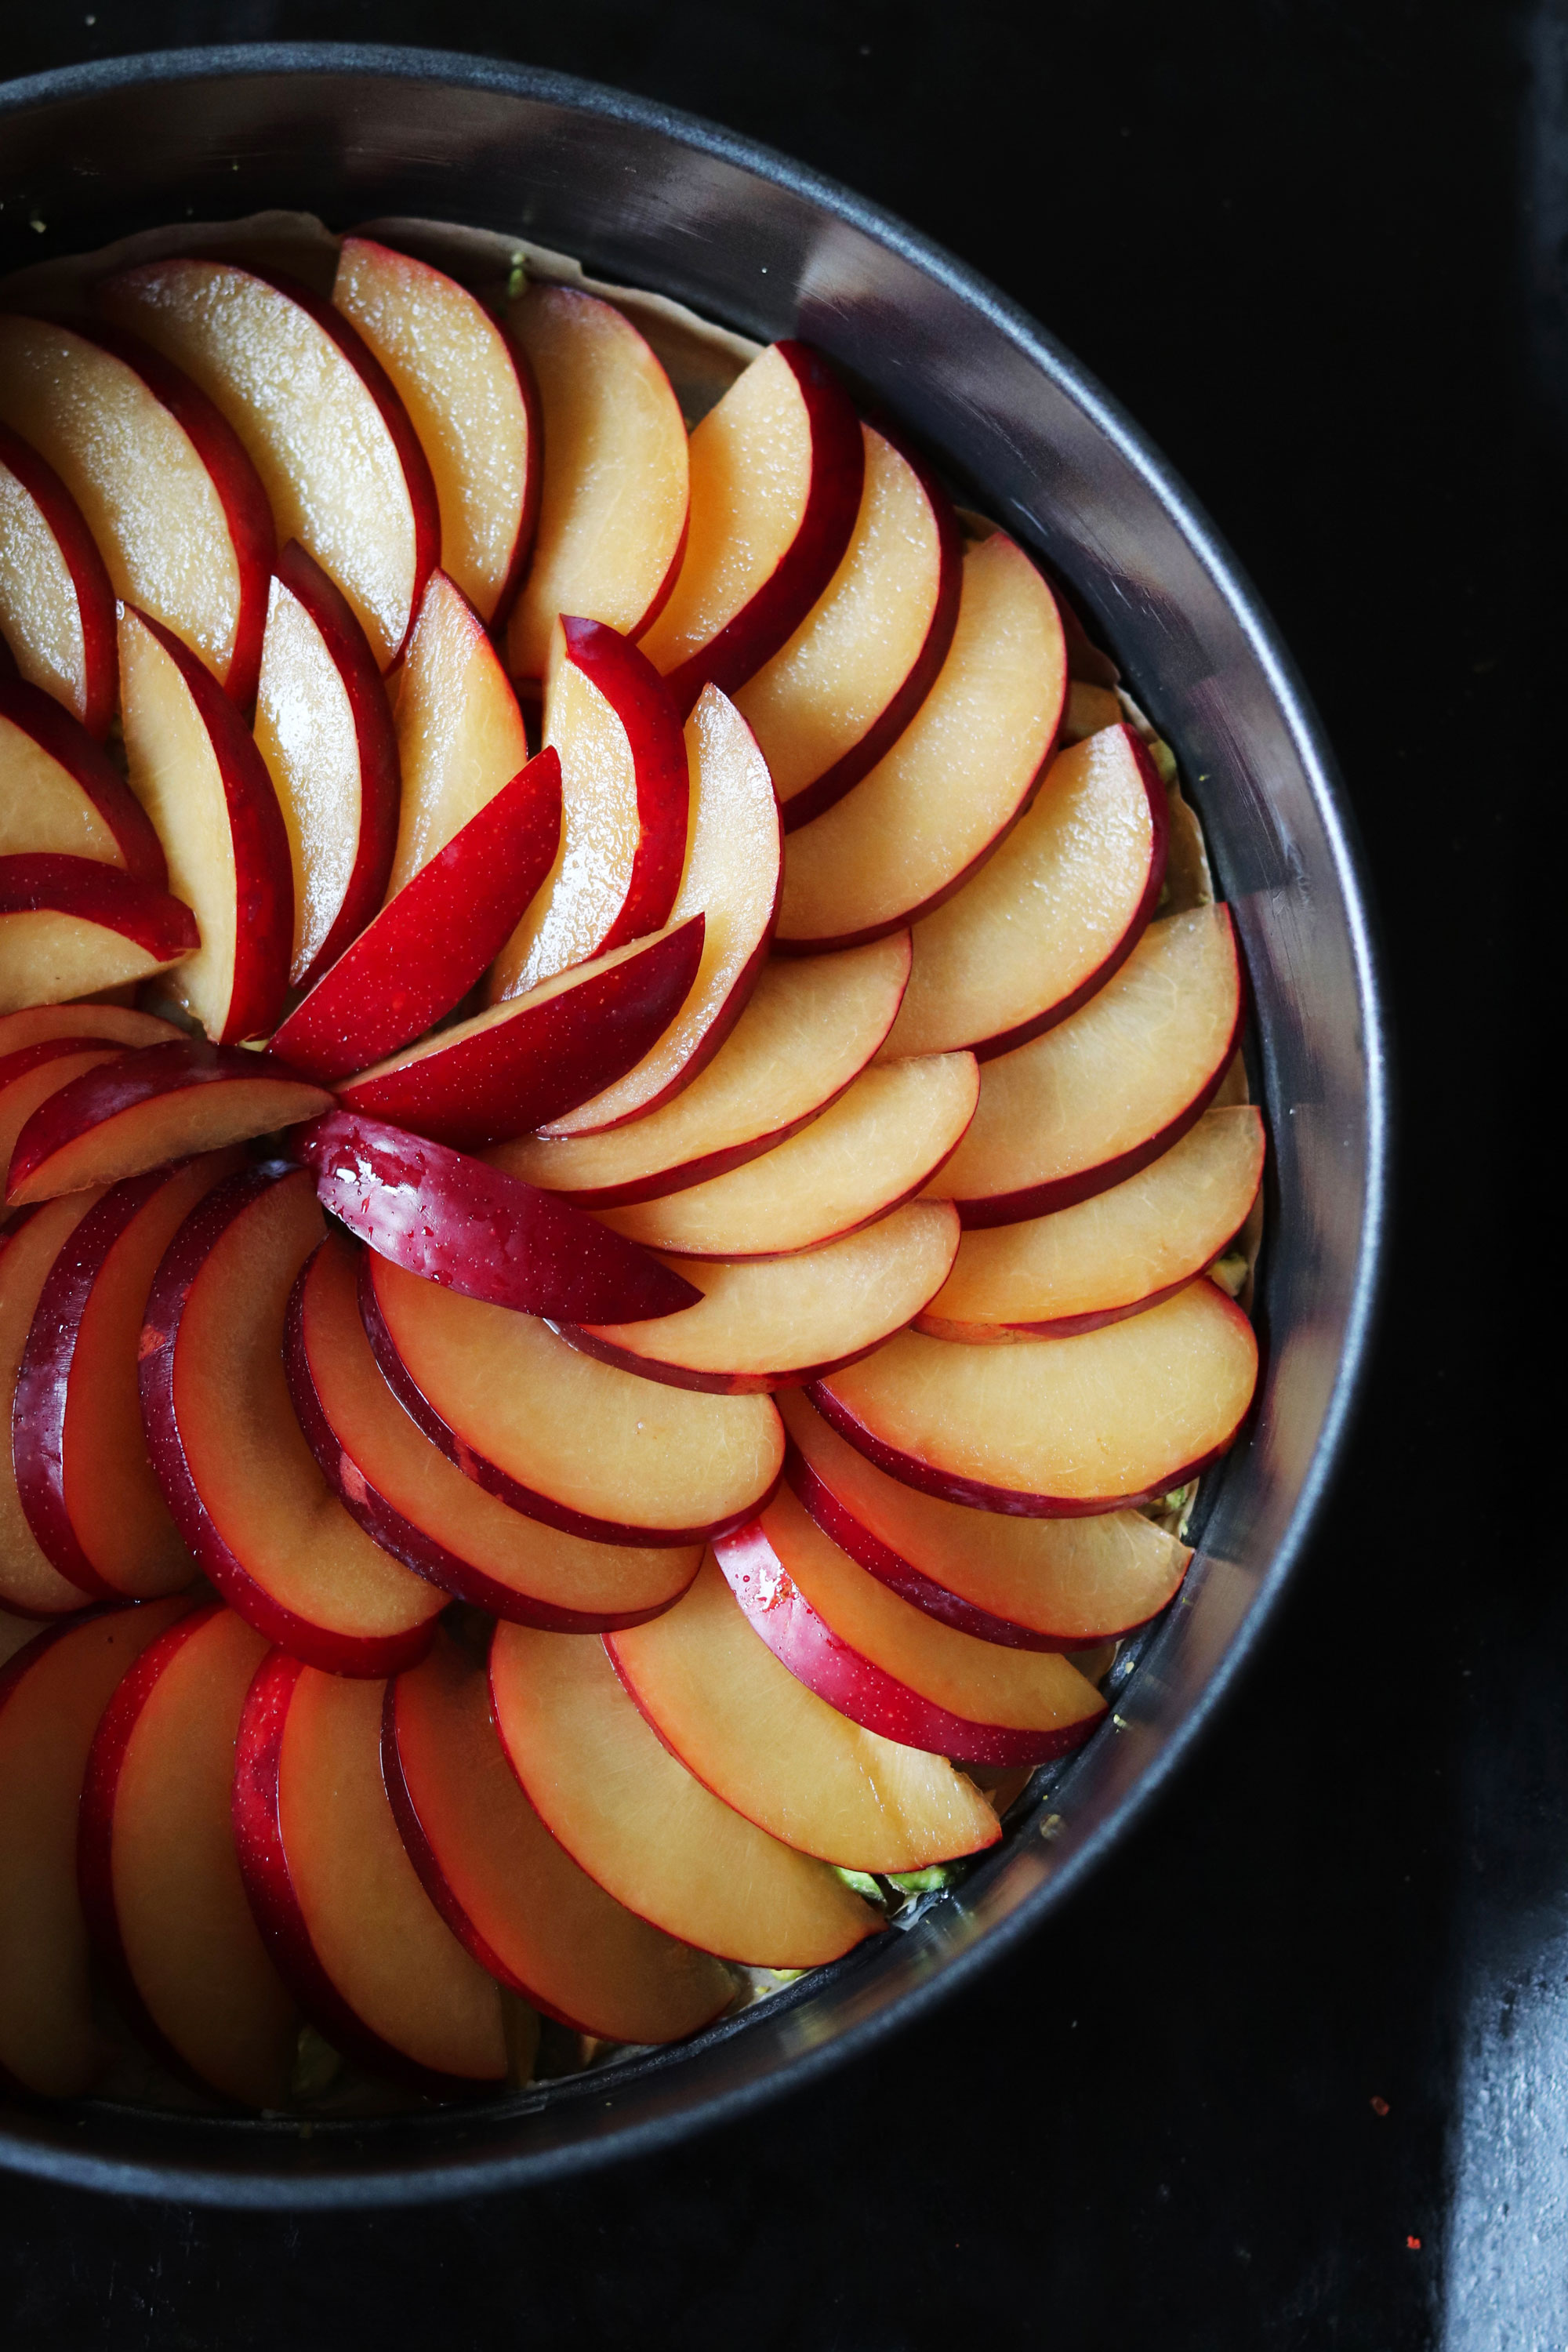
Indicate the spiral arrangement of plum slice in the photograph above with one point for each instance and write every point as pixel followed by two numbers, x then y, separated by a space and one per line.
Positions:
pixel 623 1160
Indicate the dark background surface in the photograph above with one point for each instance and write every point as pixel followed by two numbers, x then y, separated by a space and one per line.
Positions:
pixel 1318 247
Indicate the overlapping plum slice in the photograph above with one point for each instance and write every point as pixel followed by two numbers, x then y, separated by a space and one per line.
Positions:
pixel 1028 1584
pixel 332 441
pixel 234 1464
pixel 625 797
pixel 895 1669
pixel 1047 920
pixel 419 1506
pixel 777 468
pixel 1113 1256
pixel 433 937
pixel 469 393
pixel 615 489
pixel 196 772
pixel 121 1024
pixel 69 925
pixel 57 605
pixel 748 1729
pixel 775 1323
pixel 323 727
pixel 175 506
pixel 351 1931
pixel 733 862
pixel 939 801
pixel 159 1875
pixel 848 681
pixel 154 1104
pixel 60 792
pixel 536 1056
pixel 1089 706
pixel 869 1153
pixel 583 1446
pixel 610 1790
pixel 1098 1098
pixel 455 1221
pixel 508 1890
pixel 52 1694
pixel 33 1073
pixel 808 1029
pixel 460 737
pixel 30 1584
pixel 48 1046
pixel 1055 1428
pixel 77 1445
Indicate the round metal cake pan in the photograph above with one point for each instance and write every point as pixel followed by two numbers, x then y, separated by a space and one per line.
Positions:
pixel 649 197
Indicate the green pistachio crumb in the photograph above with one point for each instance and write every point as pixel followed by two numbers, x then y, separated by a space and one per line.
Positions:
pixel 1164 759
pixel 863 1884
pixel 1229 1272
pixel 317 2064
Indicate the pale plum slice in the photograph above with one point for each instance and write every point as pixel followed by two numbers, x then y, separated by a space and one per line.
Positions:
pixel 154 1104
pixel 1047 920
pixel 733 862
pixel 509 1891
pixel 469 394
pixel 631 1815
pixel 777 468
pixel 232 1460
pixel 122 1024
pixel 433 939
pixel 173 504
pixel 70 925
pixel 330 439
pixel 1030 1584
pixel 419 1506
pixel 77 1446
pixel 30 1584
pixel 455 1221
pixel 57 602
pixel 625 799
pixel 460 737
pixel 1089 709
pixel 196 772
pixel 160 1890
pixel 961 771
pixel 52 1694
pixel 775 1323
pixel 60 792
pixel 615 489
pixel 33 1073
pixel 869 1153
pixel 893 1668
pixel 351 1932
pixel 583 1446
pixel 844 687
pixel 504 1070
pixel 810 1027
pixel 1055 1428
pixel 1113 1256
pixel 323 727
pixel 745 1727
pixel 1109 1089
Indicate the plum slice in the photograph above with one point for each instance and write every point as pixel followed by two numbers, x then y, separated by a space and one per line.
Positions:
pixel 629 1813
